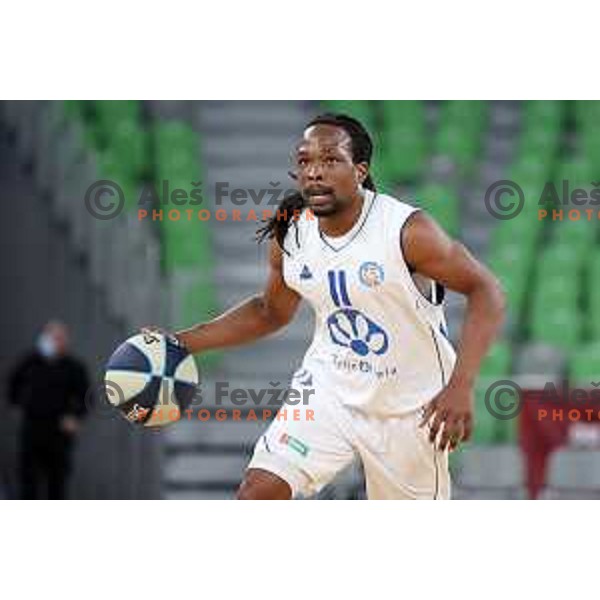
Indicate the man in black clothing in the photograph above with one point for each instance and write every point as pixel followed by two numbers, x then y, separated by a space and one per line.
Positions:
pixel 50 387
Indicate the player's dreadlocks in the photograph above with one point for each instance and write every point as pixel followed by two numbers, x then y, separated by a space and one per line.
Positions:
pixel 362 150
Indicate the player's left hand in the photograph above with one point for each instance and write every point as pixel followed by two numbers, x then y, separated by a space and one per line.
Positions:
pixel 450 415
pixel 149 330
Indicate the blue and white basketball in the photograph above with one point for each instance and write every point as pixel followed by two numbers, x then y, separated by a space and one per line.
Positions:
pixel 151 380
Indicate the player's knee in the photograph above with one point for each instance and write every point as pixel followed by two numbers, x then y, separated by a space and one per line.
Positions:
pixel 263 485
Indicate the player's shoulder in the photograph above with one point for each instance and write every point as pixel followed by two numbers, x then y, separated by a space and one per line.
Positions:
pixel 395 209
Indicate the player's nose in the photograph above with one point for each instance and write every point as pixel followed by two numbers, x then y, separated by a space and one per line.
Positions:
pixel 314 173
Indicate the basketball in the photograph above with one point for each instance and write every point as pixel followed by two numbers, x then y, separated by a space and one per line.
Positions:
pixel 151 380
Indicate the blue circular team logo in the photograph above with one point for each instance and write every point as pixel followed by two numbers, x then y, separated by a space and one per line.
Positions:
pixel 371 274
pixel 351 329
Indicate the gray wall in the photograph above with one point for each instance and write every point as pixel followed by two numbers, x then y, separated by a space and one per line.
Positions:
pixel 43 278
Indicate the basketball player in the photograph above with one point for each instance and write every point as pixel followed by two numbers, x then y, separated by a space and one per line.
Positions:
pixel 388 384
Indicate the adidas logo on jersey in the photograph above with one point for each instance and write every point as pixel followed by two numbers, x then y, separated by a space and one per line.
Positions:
pixel 305 273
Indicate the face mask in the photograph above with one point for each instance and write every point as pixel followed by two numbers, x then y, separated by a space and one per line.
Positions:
pixel 46 346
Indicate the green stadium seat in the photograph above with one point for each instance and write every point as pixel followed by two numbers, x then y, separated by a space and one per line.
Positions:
pixel 176 147
pixel 470 109
pixel 529 150
pixel 552 295
pixel 200 304
pixel 514 256
pixel 113 112
pixel 485 431
pixel 363 110
pixel 175 136
pixel 532 206
pixel 539 144
pixel 530 168
pixel 498 362
pixel 558 259
pixel 83 111
pixel 442 204
pixel 404 115
pixel 186 243
pixel 592 272
pixel 180 166
pixel 579 174
pixel 587 112
pixel 527 231
pixel 590 144
pixel 404 154
pixel 581 235
pixel 74 109
pixel 509 271
pixel 539 138
pixel 129 143
pixel 592 294
pixel 545 113
pixel 463 112
pixel 584 363
pixel 459 132
pixel 379 170
pixel 113 169
pixel 405 109
pixel 515 287
pixel 493 430
pixel 558 325
pixel 513 265
pixel 531 180
pixel 453 142
pixel 489 430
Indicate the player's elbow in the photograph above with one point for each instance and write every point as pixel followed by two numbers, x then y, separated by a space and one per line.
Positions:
pixel 274 317
pixel 488 287
pixel 281 318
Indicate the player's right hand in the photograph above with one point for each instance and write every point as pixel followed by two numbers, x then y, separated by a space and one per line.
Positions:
pixel 152 329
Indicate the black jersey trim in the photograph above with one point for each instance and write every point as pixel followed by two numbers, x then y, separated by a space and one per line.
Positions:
pixel 439 356
pixel 357 231
pixel 443 377
pixel 437 290
pixel 437 476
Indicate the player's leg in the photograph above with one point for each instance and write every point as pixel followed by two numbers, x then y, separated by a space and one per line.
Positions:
pixel 298 455
pixel 400 462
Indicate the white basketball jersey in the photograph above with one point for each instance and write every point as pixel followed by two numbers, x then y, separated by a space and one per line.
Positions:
pixel 379 345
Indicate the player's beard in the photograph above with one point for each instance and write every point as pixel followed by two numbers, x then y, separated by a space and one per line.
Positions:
pixel 325 210
pixel 323 204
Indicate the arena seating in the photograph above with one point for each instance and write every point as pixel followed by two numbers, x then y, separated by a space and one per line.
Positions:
pixel 438 155
pixel 430 153
pixel 548 267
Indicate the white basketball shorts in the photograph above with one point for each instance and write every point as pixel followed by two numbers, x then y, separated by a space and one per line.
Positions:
pixel 316 441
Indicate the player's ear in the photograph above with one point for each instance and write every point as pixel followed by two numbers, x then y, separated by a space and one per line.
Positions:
pixel 361 170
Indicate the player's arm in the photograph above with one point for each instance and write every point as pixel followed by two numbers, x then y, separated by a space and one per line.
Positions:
pixel 432 253
pixel 254 318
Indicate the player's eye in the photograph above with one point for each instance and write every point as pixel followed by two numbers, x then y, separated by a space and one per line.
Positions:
pixel 331 160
